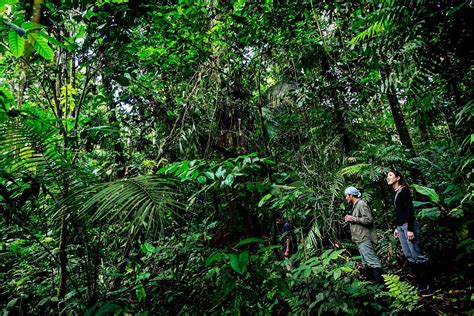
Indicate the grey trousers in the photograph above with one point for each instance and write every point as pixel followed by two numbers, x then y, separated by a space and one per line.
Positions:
pixel 411 248
pixel 367 252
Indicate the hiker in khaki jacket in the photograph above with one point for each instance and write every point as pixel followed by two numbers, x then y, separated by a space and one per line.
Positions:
pixel 363 233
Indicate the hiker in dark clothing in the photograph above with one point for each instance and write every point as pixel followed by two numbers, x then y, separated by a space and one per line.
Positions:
pixel 408 230
pixel 287 237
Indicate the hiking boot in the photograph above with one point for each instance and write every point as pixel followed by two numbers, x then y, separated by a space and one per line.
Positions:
pixel 377 276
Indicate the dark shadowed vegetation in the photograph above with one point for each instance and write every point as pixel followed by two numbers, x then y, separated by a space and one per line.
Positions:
pixel 147 147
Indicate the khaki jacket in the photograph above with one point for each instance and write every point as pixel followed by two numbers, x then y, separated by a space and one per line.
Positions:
pixel 362 225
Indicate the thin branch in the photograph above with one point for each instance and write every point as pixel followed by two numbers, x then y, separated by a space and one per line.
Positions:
pixel 181 117
pixel 41 83
pixel 53 256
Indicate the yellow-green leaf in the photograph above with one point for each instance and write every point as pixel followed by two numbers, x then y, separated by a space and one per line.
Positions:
pixel 4 2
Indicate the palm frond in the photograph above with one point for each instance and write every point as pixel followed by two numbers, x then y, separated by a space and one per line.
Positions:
pixel 336 188
pixel 29 147
pixel 148 202
pixel 314 239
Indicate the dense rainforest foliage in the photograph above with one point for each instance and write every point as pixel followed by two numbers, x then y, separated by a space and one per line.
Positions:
pixel 147 147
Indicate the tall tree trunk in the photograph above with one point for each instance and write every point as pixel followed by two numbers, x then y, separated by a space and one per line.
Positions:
pixel 400 125
pixel 119 155
pixel 63 240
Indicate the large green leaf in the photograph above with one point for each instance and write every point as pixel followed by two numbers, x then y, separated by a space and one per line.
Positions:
pixel 418 203
pixel 429 192
pixel 234 262
pixel 456 8
pixel 41 45
pixel 16 43
pixel 4 2
pixel 140 292
pixel 250 240
pixel 215 256
pixel 244 260
pixel 148 248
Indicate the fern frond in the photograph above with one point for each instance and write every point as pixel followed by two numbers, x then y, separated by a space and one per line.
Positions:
pixel 381 19
pixel 354 169
pixel 404 296
pixel 295 306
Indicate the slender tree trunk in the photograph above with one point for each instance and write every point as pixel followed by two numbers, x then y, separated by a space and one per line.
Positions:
pixel 125 255
pixel 400 123
pixel 263 127
pixel 63 259
pixel 401 126
pixel 118 148
pixel 95 270
pixel 63 241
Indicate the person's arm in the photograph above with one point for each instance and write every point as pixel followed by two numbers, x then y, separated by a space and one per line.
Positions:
pixel 394 197
pixel 287 230
pixel 287 251
pixel 407 201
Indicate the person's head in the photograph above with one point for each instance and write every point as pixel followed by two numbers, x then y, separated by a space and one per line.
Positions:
pixel 351 194
pixel 395 179
pixel 279 219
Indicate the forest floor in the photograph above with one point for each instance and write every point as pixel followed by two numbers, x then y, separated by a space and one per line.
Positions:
pixel 452 294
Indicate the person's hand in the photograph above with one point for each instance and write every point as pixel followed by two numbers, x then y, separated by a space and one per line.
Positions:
pixel 395 233
pixel 287 253
pixel 348 218
pixel 410 235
